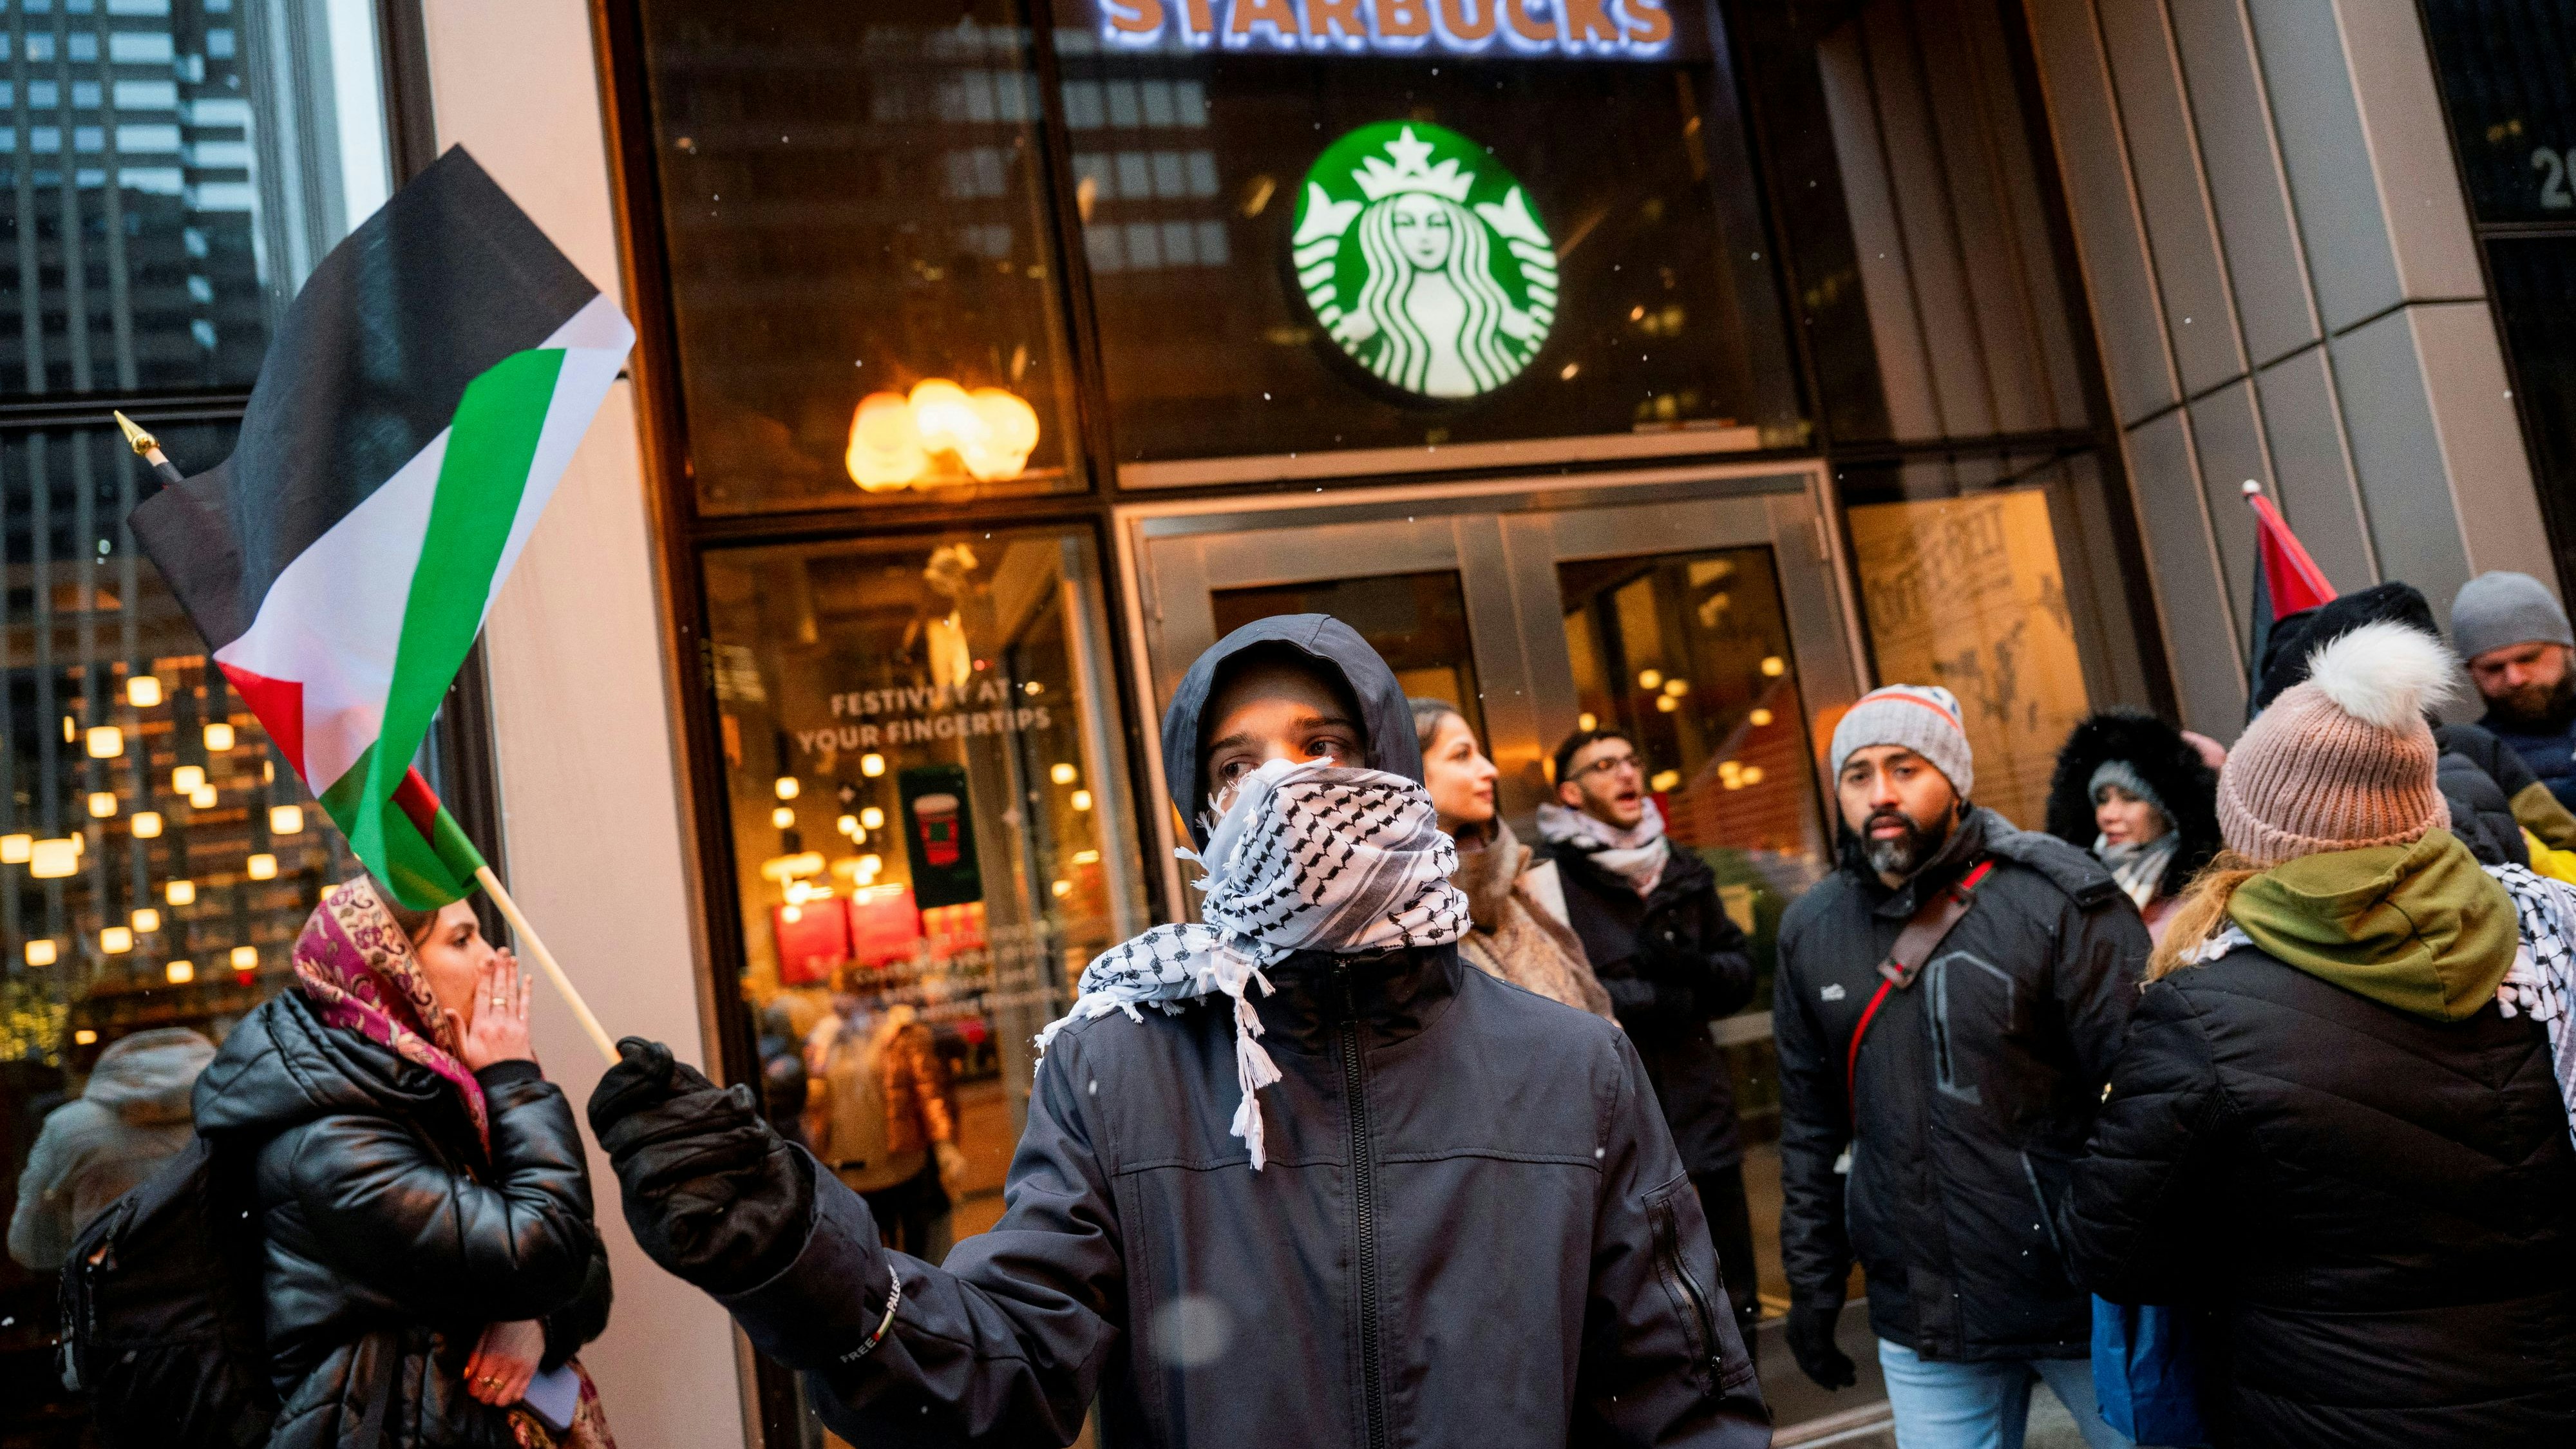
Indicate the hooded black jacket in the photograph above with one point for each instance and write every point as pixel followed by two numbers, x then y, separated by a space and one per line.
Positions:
pixel 1473 1230
pixel 2169 765
pixel 1672 961
pixel 2377 1209
pixel 391 1239
pixel 1976 1087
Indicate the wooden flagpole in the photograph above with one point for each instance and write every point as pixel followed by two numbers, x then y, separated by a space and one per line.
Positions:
pixel 527 936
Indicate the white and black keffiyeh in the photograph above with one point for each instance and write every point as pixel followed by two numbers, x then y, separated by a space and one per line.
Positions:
pixel 1637 854
pixel 2538 985
pixel 1308 857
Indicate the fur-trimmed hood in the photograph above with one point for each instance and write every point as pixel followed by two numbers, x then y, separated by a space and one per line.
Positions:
pixel 2164 759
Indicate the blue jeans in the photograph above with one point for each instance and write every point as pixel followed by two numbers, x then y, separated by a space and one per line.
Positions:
pixel 1984 1405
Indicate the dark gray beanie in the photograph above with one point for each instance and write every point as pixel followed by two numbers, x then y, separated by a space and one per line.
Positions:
pixel 2500 609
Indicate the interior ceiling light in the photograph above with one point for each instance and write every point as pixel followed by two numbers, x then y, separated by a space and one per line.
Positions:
pixel 143 691
pixel 188 779
pixel 106 742
pixel 146 824
pixel 219 737
pixel 899 441
pixel 181 892
pixel 262 866
pixel 180 973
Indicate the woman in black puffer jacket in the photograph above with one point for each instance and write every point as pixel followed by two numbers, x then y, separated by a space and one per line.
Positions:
pixel 424 1199
pixel 2323 1132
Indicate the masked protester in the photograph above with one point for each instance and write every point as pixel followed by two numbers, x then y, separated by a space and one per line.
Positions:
pixel 1294 1176
pixel 2324 1131
pixel 1927 1130
pixel 1516 903
pixel 424 1197
pixel 2141 796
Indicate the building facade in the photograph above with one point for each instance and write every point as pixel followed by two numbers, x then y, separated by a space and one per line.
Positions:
pixel 1688 365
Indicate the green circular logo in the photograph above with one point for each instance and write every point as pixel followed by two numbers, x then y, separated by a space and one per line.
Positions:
pixel 1424 260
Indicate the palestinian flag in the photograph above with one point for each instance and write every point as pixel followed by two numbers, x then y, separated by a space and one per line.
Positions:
pixel 412 417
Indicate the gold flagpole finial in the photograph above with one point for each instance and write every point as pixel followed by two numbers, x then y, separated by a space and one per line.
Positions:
pixel 143 443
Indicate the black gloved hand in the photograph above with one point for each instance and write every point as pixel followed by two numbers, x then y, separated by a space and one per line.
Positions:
pixel 712 1193
pixel 1811 1343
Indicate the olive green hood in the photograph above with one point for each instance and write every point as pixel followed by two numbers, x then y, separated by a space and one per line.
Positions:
pixel 2418 927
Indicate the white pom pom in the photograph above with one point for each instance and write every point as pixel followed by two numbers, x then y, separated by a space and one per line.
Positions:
pixel 2385 674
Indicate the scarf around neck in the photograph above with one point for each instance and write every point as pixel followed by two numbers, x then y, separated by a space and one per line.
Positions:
pixel 355 963
pixel 1637 854
pixel 2138 866
pixel 1308 857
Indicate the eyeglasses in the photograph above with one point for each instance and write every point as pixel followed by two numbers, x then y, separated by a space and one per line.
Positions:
pixel 1609 764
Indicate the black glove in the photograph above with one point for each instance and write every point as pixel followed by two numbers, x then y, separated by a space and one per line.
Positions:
pixel 712 1193
pixel 1811 1343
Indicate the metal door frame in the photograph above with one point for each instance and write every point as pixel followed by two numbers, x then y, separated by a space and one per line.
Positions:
pixel 1791 500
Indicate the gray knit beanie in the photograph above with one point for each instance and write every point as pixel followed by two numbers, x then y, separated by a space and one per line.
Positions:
pixel 1923 718
pixel 2501 609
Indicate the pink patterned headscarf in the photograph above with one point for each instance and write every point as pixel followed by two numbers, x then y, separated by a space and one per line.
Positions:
pixel 356 963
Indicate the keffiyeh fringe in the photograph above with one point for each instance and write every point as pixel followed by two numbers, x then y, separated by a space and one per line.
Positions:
pixel 1309 857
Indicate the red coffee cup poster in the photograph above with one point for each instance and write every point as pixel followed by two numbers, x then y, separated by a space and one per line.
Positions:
pixel 939 835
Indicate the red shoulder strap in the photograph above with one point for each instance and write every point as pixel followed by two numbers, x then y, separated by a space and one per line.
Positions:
pixel 1922 935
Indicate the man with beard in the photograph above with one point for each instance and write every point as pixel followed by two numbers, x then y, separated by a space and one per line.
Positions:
pixel 1672 960
pixel 1946 1009
pixel 2516 640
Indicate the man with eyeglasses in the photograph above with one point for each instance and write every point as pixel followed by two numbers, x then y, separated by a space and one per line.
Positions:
pixel 1672 961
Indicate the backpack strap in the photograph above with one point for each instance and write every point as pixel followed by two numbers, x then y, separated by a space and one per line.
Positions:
pixel 1923 934
pixel 371 1429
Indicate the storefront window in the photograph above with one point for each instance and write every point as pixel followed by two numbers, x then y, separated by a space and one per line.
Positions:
pixel 1965 583
pixel 930 819
pixel 1910 203
pixel 863 274
pixel 1416 622
pixel 1344 232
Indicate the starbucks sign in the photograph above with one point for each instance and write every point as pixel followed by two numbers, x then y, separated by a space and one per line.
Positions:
pixel 1423 259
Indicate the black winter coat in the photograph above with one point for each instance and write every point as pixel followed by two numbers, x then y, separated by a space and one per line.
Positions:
pixel 2479 778
pixel 1472 1232
pixel 2379 1209
pixel 391 1239
pixel 1673 961
pixel 2169 765
pixel 1976 1088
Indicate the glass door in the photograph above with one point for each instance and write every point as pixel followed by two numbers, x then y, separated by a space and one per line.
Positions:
pixel 1702 614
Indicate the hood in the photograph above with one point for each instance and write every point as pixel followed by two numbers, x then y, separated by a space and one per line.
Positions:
pixel 2418 927
pixel 1384 714
pixel 282 1066
pixel 2169 765
pixel 148 1078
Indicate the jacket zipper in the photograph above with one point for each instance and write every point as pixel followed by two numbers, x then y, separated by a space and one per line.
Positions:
pixel 1699 1305
pixel 1364 1200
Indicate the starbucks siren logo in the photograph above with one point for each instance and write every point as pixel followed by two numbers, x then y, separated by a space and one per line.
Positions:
pixel 1423 260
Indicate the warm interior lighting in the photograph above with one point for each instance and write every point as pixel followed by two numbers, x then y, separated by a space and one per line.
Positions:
pixel 872 818
pixel 1676 687
pixel 116 940
pixel 71 730
pixel 106 742
pixel 1587 721
pixel 1086 857
pixel 783 868
pixel 792 914
pixel 1650 678
pixel 1666 704
pixel 84 1036
pixel 203 797
pixel 848 825
pixel 1081 800
pixel 188 779
pixel 180 973
pixel 146 824
pixel 219 736
pixel 245 958
pixel 146 921
pixel 261 867
pixel 1061 772
pixel 788 788
pixel 870 867
pixel 286 820
pixel 53 859
pixel 14 849
pixel 784 817
pixel 896 441
pixel 102 804
pixel 1665 780
pixel 180 892
pixel 143 691
pixel 1774 666
pixel 1760 718
pixel 871 764
pixel 80 844
pixel 1752 774
pixel 1062 888
pixel 42 952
